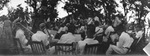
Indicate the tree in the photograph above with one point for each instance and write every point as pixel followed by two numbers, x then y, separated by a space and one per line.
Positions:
pixel 88 8
pixel 45 11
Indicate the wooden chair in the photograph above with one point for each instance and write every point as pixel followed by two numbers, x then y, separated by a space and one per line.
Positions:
pixel 65 49
pixel 38 47
pixel 91 49
pixel 135 43
pixel 19 47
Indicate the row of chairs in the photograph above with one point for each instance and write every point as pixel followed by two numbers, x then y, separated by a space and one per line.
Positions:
pixel 64 49
pixel 60 48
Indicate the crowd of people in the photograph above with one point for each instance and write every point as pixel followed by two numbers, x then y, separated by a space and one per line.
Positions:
pixel 122 30
pixel 114 36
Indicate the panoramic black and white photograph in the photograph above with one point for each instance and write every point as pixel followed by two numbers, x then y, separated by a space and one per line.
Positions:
pixel 75 27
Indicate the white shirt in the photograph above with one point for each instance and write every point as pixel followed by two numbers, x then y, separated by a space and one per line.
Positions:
pixel 40 36
pixel 99 30
pixel 62 29
pixel 109 29
pixel 84 42
pixel 67 38
pixel 20 35
pixel 125 40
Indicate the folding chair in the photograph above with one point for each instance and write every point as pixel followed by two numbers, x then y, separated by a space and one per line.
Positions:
pixel 91 49
pixel 65 49
pixel 38 47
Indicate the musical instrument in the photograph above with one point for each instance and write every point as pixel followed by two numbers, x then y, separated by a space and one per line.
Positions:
pixel 27 31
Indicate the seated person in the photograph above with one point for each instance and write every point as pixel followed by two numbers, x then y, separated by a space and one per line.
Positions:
pixel 124 43
pixel 88 40
pixel 82 32
pixel 40 35
pixel 69 37
pixel 49 33
pixel 66 38
pixel 21 36
pixel 98 32
pixel 107 32
pixel 108 28
pixel 62 30
pixel 114 37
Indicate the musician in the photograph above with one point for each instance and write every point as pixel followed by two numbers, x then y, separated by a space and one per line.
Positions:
pixel 20 34
pixel 40 35
pixel 123 45
pixel 98 32
pixel 68 37
pixel 88 40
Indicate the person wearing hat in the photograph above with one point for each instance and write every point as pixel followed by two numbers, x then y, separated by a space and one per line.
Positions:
pixel 123 45
pixel 40 35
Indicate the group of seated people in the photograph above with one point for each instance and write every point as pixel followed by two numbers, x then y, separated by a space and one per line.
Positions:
pixel 92 33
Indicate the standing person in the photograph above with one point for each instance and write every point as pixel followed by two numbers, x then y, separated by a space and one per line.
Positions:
pixel 8 36
pixel 123 45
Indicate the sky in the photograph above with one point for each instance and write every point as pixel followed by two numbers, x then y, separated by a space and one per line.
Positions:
pixel 61 12
pixel 12 5
pixel 4 11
